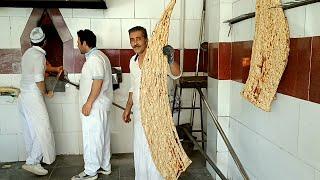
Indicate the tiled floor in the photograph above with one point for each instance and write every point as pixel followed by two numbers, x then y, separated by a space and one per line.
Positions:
pixel 122 168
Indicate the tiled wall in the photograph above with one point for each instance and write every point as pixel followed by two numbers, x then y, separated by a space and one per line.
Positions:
pixel 111 28
pixel 281 144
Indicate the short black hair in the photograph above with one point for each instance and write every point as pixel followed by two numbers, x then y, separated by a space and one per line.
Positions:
pixel 139 28
pixel 88 36
pixel 40 44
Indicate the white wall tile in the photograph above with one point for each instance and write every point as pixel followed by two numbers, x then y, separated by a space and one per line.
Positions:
pixel 226 14
pixel 15 80
pixel 193 9
pixel 88 13
pixel 224 98
pixel 312 26
pixel 127 24
pixel 224 123
pixel 9 148
pixel 5 33
pixel 177 9
pixel 119 9
pixel 242 7
pixel 62 97
pixel 258 154
pixel 66 12
pixel 148 8
pixel 11 119
pixel 17 26
pixel 296 19
pixel 242 31
pixel 211 148
pixel 280 164
pixel 248 153
pixel 21 12
pixel 5 80
pixel 71 118
pixel 21 148
pixel 108 32
pixel 213 85
pixel 235 100
pixel 55 116
pixel 80 141
pixel 67 143
pixel 222 163
pixel 127 145
pixel 282 125
pixel 192 31
pixel 76 24
pixel 174 32
pixel 309 133
pixel 212 19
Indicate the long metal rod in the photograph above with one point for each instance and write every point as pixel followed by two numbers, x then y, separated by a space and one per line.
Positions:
pixel 224 137
pixel 65 79
pixel 202 25
pixel 285 6
pixel 216 169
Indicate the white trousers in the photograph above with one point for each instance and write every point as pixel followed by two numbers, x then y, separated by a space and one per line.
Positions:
pixel 96 140
pixel 33 146
pixel 145 168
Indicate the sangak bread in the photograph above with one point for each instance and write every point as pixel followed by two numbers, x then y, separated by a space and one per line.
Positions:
pixel 12 91
pixel 166 150
pixel 269 54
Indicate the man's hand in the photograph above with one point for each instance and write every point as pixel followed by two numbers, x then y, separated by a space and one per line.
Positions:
pixel 86 109
pixel 126 116
pixel 169 52
pixel 49 94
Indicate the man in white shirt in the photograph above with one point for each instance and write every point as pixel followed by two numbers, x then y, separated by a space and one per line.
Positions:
pixel 144 166
pixel 38 133
pixel 95 100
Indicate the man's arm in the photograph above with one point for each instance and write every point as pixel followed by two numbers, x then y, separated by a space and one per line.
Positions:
pixel 94 93
pixel 175 69
pixel 126 114
pixel 174 66
pixel 42 87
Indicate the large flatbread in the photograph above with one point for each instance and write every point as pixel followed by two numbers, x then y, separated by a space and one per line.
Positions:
pixel 269 54
pixel 166 150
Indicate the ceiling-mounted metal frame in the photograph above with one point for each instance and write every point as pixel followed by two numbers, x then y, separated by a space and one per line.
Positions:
pixel 285 6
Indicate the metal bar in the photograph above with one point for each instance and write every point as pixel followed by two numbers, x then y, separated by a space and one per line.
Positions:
pixel 201 34
pixel 216 169
pixel 224 137
pixel 117 105
pixel 285 6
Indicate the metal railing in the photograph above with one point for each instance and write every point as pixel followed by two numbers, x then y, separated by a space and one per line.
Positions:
pixel 224 137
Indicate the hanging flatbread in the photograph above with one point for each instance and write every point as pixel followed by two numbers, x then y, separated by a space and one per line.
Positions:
pixel 166 150
pixel 269 54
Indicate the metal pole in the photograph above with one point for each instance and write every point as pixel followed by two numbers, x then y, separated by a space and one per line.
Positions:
pixel 203 15
pixel 216 169
pixel 224 137
pixel 285 6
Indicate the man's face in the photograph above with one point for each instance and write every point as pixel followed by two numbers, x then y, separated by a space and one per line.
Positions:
pixel 138 42
pixel 81 46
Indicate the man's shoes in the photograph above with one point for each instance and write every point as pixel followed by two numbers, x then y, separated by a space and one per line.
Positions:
pixel 105 172
pixel 83 176
pixel 35 169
